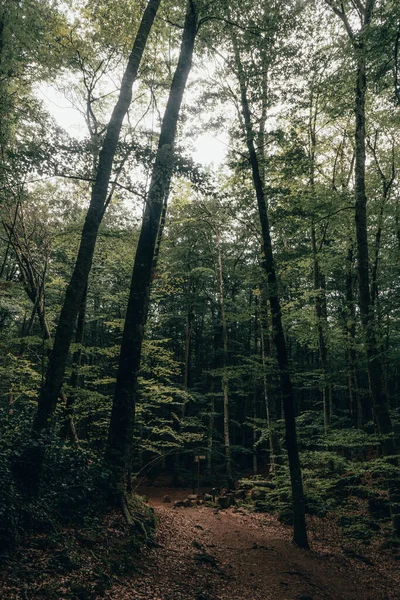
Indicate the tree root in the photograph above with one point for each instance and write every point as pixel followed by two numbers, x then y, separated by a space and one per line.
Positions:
pixel 134 523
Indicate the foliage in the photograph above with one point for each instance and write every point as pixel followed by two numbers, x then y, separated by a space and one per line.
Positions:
pixel 301 101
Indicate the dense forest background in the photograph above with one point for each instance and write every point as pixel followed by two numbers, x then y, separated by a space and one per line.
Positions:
pixel 265 288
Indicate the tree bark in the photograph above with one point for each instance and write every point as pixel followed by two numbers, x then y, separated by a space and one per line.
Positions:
pixel 321 318
pixel 120 432
pixel 4 92
pixel 271 404
pixel 75 379
pixel 159 236
pixel 387 184
pixel 358 412
pixel 300 532
pixel 225 387
pixel 375 367
pixel 188 338
pixel 318 279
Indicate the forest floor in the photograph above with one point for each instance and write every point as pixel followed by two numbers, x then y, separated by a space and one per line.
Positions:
pixel 208 554
pixel 200 553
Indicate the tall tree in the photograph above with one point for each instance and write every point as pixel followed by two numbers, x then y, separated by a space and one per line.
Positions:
pixel 359 42
pixel 300 531
pixel 98 204
pixel 118 448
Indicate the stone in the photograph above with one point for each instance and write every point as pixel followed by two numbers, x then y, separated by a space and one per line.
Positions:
pixel 224 501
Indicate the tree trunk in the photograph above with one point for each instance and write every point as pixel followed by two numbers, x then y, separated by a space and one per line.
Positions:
pixel 5 99
pixel 225 389
pixel 211 421
pixel 188 339
pixel 188 345
pixel 254 396
pixel 122 417
pixel 318 279
pixel 359 413
pixel 210 433
pixel 375 364
pixel 320 317
pixel 300 532
pixel 270 405
pixel 98 203
pixel 397 223
pixel 75 380
pixel 160 236
pixel 375 370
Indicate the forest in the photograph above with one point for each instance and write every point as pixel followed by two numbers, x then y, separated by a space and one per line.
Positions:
pixel 199 299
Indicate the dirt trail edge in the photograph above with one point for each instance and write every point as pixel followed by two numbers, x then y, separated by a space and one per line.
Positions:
pixel 203 554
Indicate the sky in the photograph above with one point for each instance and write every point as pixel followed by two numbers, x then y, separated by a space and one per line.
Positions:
pixel 209 149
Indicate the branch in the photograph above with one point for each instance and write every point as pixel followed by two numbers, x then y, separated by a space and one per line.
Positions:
pixel 335 212
pixel 178 25
pixel 359 7
pixel 369 7
pixel 233 23
pixel 91 180
pixel 342 15
pixel 387 182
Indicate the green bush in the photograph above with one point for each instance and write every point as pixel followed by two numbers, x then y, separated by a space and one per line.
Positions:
pixel 70 487
pixel 358 527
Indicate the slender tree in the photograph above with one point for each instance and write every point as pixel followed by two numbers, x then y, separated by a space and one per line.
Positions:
pixel 118 448
pixel 225 387
pixel 376 378
pixel 300 531
pixel 98 204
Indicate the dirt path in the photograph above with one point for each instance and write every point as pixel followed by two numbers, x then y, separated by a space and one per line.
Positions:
pixel 231 555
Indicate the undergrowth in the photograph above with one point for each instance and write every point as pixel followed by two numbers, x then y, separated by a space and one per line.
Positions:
pixel 345 479
pixel 65 530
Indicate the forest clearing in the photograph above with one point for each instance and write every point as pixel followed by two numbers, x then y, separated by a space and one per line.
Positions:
pixel 199 299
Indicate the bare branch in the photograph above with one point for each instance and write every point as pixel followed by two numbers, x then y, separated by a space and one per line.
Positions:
pixel 342 15
pixel 359 8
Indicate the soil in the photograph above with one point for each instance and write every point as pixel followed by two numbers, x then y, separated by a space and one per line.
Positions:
pixel 199 553
pixel 207 554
